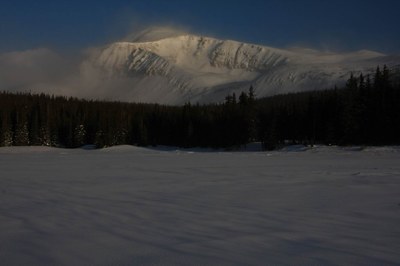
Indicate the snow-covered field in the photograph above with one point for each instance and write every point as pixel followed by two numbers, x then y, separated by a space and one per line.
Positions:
pixel 134 206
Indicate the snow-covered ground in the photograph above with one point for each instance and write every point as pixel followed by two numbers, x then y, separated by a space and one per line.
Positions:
pixel 134 206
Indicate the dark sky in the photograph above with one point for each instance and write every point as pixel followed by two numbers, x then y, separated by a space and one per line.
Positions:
pixel 329 25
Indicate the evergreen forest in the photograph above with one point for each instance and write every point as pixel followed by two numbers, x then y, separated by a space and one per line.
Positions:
pixel 364 112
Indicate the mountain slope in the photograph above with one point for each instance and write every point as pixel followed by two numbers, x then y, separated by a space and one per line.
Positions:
pixel 175 67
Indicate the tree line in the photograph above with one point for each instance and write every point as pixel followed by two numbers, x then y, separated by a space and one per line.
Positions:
pixel 364 112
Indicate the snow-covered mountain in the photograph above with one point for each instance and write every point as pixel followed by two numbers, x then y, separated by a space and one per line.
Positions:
pixel 173 67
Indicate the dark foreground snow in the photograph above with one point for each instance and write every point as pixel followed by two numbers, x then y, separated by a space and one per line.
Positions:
pixel 132 206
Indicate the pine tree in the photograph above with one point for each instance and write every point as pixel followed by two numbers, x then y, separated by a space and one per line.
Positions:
pixel 378 78
pixel 243 98
pixel 368 85
pixel 234 98
pixel 352 82
pixel 6 136
pixel 21 131
pixel 100 140
pixel 361 84
pixel 79 136
pixel 252 95
pixel 21 135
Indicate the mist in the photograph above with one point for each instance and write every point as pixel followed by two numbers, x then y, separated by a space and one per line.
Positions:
pixel 45 70
pixel 24 70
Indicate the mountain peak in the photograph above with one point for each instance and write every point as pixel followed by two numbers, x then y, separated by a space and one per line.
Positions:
pixel 170 65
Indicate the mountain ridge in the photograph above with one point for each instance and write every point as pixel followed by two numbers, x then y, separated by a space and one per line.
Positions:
pixel 202 69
